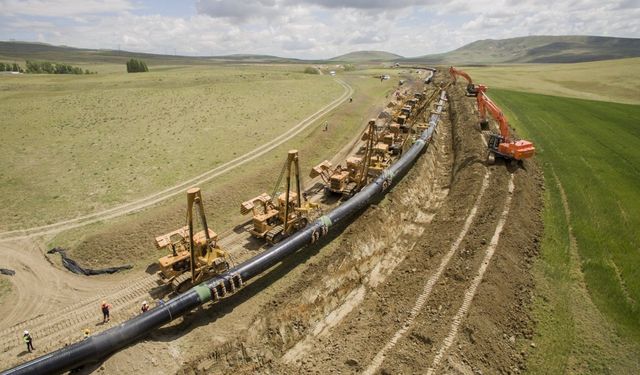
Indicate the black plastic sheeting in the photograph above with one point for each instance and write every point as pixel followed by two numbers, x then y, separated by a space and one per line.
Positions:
pixel 74 267
pixel 105 343
pixel 6 271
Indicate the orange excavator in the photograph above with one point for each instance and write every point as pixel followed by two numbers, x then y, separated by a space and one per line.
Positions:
pixel 500 145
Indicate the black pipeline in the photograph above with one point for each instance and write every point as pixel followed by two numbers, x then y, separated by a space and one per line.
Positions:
pixel 101 345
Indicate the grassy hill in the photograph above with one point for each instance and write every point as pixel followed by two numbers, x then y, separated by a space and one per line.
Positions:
pixel 20 51
pixel 610 81
pixel 530 49
pixel 537 49
pixel 367 56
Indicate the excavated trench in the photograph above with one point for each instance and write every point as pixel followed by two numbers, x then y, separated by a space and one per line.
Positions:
pixel 355 264
pixel 382 295
pixel 360 292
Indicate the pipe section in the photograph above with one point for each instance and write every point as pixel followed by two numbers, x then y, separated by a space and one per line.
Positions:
pixel 105 343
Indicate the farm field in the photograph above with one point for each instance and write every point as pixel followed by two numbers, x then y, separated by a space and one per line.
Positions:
pixel 609 80
pixel 96 141
pixel 587 301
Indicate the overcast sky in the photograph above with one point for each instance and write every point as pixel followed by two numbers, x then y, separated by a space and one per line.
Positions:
pixel 306 28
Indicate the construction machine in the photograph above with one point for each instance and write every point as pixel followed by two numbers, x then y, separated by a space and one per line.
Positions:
pixel 472 89
pixel 350 179
pixel 500 145
pixel 193 257
pixel 273 222
pixel 341 180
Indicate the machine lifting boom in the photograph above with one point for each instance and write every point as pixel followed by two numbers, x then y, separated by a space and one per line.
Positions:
pixel 500 145
pixel 275 222
pixel 194 257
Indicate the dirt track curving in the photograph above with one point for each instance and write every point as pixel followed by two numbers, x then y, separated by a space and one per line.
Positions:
pixel 181 187
pixel 436 275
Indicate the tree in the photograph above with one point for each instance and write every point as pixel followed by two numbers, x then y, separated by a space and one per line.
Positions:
pixel 136 66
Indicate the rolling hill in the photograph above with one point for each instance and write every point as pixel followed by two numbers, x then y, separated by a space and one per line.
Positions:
pixel 367 56
pixel 529 49
pixel 537 49
pixel 12 51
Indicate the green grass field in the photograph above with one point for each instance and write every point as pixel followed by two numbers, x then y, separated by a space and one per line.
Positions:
pixel 587 304
pixel 612 81
pixel 78 144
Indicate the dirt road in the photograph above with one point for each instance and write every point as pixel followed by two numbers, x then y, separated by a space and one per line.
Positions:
pixel 181 187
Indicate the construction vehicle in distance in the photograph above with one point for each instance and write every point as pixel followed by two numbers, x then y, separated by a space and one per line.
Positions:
pixel 500 145
pixel 471 87
pixel 273 222
pixel 348 181
pixel 193 257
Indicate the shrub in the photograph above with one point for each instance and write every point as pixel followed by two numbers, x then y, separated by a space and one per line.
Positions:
pixel 349 67
pixel 311 70
pixel 136 66
pixel 50 68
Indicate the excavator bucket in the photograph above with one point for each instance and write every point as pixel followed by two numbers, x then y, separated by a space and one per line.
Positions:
pixel 320 169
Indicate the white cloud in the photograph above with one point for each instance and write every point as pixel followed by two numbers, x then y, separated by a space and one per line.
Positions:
pixel 62 8
pixel 311 28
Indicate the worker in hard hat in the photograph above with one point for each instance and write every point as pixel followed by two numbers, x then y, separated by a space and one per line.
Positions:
pixel 87 333
pixel 28 340
pixel 145 307
pixel 105 311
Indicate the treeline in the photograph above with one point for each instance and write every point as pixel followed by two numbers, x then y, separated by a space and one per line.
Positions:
pixel 54 68
pixel 10 67
pixel 136 66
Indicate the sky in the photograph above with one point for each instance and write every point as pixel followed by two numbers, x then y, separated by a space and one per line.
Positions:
pixel 308 29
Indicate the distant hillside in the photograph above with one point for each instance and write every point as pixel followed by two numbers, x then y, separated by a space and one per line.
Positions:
pixel 12 51
pixel 537 49
pixel 530 49
pixel 366 56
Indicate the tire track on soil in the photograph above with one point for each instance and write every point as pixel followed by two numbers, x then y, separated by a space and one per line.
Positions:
pixel 471 291
pixel 422 298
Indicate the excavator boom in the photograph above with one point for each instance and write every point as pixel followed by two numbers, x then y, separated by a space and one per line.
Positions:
pixel 485 104
pixel 472 89
pixel 499 144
